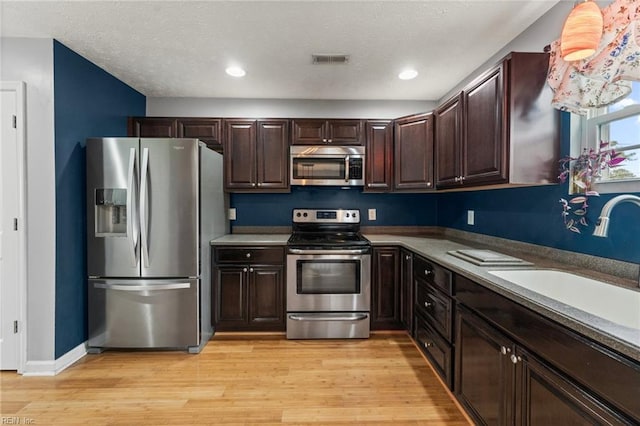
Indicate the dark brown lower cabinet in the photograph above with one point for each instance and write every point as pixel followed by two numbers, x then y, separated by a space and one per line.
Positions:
pixel 385 289
pixel 499 382
pixel 247 296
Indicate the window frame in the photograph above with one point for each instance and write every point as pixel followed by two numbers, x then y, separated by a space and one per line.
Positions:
pixel 590 139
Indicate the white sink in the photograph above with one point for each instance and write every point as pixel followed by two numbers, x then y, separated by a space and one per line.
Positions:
pixel 615 304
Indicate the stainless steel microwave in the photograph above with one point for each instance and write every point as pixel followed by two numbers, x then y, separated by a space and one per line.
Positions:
pixel 327 165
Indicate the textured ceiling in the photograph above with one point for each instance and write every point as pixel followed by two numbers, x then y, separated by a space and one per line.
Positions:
pixel 180 49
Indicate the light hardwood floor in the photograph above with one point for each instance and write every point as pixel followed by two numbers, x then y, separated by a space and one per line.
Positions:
pixel 241 379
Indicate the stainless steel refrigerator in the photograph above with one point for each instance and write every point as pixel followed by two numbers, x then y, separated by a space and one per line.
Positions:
pixel 153 205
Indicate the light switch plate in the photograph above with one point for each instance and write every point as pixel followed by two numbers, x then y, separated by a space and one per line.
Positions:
pixel 471 219
pixel 232 214
pixel 372 214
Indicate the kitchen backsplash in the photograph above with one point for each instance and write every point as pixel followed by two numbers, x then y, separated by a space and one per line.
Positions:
pixel 391 209
pixel 531 215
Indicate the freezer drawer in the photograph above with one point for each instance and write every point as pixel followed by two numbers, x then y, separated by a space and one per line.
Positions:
pixel 143 313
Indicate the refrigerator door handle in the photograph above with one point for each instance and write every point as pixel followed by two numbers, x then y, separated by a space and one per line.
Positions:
pixel 143 206
pixel 132 231
pixel 175 286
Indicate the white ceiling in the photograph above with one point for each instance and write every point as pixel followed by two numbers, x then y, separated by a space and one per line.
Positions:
pixel 180 49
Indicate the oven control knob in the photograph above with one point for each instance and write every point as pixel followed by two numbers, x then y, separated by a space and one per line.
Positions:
pixel 298 214
pixel 347 215
pixel 305 214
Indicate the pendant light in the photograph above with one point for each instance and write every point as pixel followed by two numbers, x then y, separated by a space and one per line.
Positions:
pixel 582 32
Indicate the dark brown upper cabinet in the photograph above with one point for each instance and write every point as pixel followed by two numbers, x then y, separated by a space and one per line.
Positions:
pixel 152 127
pixel 256 155
pixel 501 128
pixel 414 152
pixel 322 132
pixel 379 151
pixel 208 130
pixel 448 141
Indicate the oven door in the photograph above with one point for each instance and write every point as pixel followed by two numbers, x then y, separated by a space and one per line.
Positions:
pixel 328 281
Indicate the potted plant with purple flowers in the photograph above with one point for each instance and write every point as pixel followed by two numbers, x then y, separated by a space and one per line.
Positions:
pixel 582 172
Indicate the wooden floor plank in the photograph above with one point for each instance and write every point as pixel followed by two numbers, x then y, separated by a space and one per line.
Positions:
pixel 241 380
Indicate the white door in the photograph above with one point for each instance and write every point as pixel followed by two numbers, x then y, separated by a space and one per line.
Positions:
pixel 10 223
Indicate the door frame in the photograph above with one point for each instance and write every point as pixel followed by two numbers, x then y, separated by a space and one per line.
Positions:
pixel 19 87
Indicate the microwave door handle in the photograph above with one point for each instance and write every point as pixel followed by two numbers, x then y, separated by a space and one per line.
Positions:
pixel 346 166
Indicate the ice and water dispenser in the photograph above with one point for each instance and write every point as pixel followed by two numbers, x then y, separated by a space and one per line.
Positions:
pixel 111 212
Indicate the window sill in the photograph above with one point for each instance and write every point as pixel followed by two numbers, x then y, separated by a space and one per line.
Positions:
pixel 615 186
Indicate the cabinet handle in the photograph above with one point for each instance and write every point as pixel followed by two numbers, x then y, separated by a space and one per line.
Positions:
pixel 428 304
pixel 428 344
pixel 462 178
pixel 369 185
pixel 248 255
pixel 330 140
pixel 515 359
pixel 324 140
pixel 407 257
pixel 253 184
pixel 427 272
pixel 504 350
pixel 250 269
pixel 259 184
pixel 456 179
pixel 428 183
pixel 244 269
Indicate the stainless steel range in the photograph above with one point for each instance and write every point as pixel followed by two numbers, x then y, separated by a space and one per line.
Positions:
pixel 328 276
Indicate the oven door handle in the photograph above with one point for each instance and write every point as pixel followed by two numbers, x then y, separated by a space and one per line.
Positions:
pixel 316 317
pixel 350 251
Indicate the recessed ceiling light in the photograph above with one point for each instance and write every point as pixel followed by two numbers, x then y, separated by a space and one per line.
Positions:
pixel 408 74
pixel 235 72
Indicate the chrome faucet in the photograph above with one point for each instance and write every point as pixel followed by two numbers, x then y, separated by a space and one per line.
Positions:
pixel 602 225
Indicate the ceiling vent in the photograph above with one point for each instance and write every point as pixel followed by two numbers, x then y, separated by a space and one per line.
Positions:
pixel 330 59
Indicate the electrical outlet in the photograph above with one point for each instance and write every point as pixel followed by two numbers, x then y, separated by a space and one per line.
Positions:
pixel 372 214
pixel 471 219
pixel 232 214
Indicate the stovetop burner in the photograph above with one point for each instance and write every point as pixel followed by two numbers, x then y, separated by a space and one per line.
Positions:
pixel 326 229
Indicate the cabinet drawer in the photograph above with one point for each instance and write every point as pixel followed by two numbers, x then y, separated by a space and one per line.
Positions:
pixel 436 349
pixel 435 274
pixel 254 255
pixel 436 308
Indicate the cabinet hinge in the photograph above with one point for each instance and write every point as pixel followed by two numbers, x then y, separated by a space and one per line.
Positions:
pixel 15 223
pixel 15 327
pixel 15 122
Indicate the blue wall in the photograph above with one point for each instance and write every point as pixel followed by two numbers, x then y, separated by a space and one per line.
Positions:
pixel 391 209
pixel 87 102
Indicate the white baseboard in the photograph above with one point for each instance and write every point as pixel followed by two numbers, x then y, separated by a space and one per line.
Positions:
pixel 51 368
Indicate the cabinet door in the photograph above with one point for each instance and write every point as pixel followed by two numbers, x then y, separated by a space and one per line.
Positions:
pixel 266 299
pixel 308 132
pixel 240 154
pixel 344 132
pixel 448 142
pixel 414 153
pixel 230 297
pixel 208 130
pixel 152 127
pixel 484 373
pixel 406 283
pixel 272 154
pixel 544 397
pixel 385 288
pixel 485 150
pixel 379 161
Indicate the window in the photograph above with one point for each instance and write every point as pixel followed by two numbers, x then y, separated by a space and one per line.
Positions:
pixel 619 125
